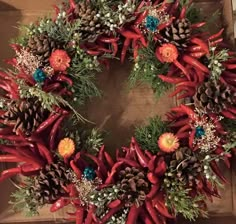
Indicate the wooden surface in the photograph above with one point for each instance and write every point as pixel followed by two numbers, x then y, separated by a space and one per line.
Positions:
pixel 118 111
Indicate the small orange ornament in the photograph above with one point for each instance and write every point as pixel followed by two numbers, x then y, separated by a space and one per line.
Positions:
pixel 59 60
pixel 168 52
pixel 168 142
pixel 66 147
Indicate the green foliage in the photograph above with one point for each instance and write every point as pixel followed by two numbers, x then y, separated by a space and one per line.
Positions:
pixel 146 69
pixel 94 141
pixel 179 201
pixel 215 62
pixel 23 201
pixel 48 100
pixel 147 136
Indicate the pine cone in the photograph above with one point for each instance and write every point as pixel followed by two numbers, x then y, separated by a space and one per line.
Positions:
pixel 135 186
pixel 90 27
pixel 42 46
pixel 214 97
pixel 26 115
pixel 186 166
pixel 178 33
pixel 48 184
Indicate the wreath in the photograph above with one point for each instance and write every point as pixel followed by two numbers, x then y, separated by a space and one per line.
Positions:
pixel 170 167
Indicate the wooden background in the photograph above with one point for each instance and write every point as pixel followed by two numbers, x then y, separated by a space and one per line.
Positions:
pixel 118 111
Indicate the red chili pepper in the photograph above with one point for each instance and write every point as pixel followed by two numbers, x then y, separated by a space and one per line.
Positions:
pixel 152 178
pixel 194 48
pixel 145 217
pixel 52 118
pixel 72 4
pixel 129 34
pixel 183 13
pixel 141 17
pixel 152 212
pixel 228 114
pixel 198 25
pixel 11 137
pixel 44 151
pixel 52 87
pixel 113 171
pixel 229 74
pixel 133 214
pixel 28 169
pixel 108 40
pixel 217 171
pixel 114 48
pixel 79 215
pixel 177 91
pixel 213 43
pixel 190 60
pixel 164 25
pixel 174 7
pixel 75 169
pixel 230 66
pixel 9 173
pixel 109 159
pixel 191 139
pixel 59 204
pixel 180 123
pixel 100 164
pixel 187 110
pixel 160 167
pixel 93 52
pixel 216 35
pixel 187 83
pixel 171 79
pixel 149 154
pixel 143 160
pixel 154 189
pixel 152 163
pixel 9 159
pixel 159 203
pixel 197 54
pixel 114 203
pixel 232 110
pixel 111 212
pixel 54 132
pixel 63 78
pixel 184 128
pixel 182 68
pixel 124 49
pixel 101 153
pixel 201 43
pixel 129 162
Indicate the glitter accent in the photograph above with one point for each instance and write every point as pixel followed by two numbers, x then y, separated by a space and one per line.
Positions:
pixel 152 23
pixel 199 132
pixel 89 173
pixel 39 75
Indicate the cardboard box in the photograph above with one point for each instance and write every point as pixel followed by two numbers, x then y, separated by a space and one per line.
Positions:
pixel 117 112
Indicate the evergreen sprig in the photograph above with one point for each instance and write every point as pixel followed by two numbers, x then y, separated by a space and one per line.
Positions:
pixel 23 200
pixel 147 136
pixel 179 201
pixel 146 69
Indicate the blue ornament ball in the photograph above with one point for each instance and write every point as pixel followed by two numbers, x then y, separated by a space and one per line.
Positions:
pixel 39 75
pixel 152 23
pixel 89 173
pixel 199 132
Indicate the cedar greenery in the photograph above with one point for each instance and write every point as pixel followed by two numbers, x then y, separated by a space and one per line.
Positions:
pixel 148 135
pixel 146 69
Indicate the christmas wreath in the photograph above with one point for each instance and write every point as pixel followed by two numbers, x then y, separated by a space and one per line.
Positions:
pixel 170 167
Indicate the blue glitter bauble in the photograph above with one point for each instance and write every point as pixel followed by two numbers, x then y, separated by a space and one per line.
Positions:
pixel 199 132
pixel 152 23
pixel 39 76
pixel 89 173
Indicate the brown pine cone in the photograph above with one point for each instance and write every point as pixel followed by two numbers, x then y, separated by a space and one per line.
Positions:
pixel 178 33
pixel 26 115
pixel 90 26
pixel 185 165
pixel 134 185
pixel 42 46
pixel 48 185
pixel 214 97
